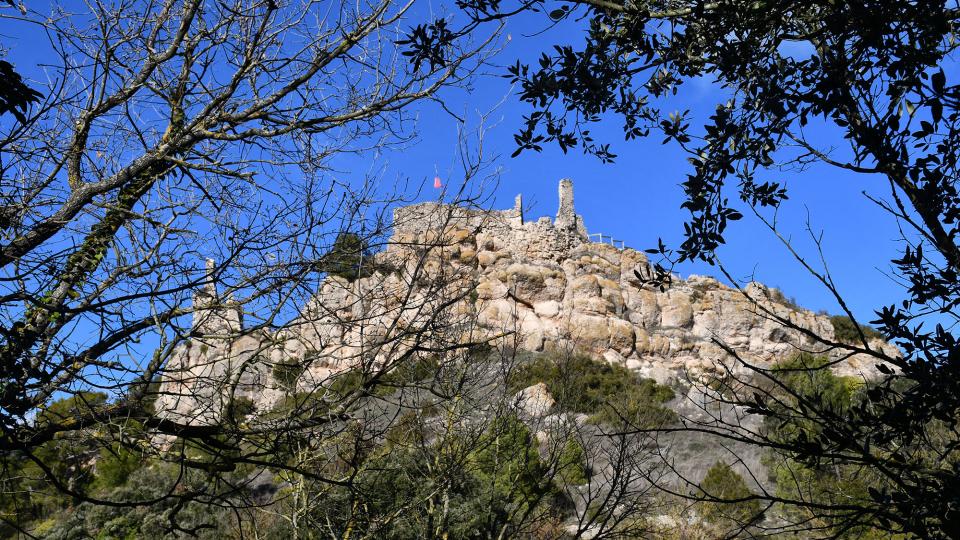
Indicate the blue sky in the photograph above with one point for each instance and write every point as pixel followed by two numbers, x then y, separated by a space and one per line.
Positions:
pixel 638 198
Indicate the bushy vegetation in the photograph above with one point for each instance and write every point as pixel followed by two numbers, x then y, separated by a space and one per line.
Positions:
pixel 456 483
pixel 287 373
pixel 418 370
pixel 808 379
pixel 348 258
pixel 486 478
pixel 776 294
pixel 610 394
pixel 571 465
pixel 112 472
pixel 25 495
pixel 845 330
pixel 456 488
pixel 238 408
pixel 727 497
pixel 114 466
pixel 79 404
pixel 161 520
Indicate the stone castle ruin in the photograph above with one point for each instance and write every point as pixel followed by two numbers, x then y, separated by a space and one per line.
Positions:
pixel 451 274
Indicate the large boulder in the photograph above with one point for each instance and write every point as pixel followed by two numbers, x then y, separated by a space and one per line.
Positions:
pixel 535 401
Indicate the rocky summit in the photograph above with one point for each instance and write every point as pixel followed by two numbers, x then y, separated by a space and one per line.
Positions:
pixel 452 275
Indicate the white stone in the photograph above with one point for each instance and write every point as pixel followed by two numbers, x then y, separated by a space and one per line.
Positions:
pixel 535 401
pixel 547 309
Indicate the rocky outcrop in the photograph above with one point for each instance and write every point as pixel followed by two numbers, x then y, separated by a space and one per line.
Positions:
pixel 535 401
pixel 455 275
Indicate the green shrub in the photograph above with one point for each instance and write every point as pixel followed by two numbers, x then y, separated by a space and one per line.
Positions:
pixel 608 392
pixel 346 382
pixel 777 296
pixel 506 459
pixel 411 371
pixel 723 483
pixel 635 409
pixel 821 480
pixel 68 457
pixel 151 394
pixel 115 464
pixel 483 484
pixel 349 258
pixel 298 404
pixel 845 330
pixel 86 520
pixel 287 374
pixel 809 377
pixel 239 407
pixel 78 405
pixel 406 373
pixel 572 463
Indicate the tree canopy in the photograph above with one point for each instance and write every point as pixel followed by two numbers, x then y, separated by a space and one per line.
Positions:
pixel 173 133
pixel 881 75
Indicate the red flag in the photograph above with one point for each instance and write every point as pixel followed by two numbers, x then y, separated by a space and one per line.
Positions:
pixel 436 182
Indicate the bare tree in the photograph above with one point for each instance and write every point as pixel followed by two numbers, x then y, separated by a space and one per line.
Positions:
pixel 176 132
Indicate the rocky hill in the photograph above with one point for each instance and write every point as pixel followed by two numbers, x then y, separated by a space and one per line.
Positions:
pixel 452 275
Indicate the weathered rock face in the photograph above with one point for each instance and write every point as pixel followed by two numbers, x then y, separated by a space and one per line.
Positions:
pixel 453 274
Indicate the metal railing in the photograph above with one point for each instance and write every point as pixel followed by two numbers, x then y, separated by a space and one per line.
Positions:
pixel 606 239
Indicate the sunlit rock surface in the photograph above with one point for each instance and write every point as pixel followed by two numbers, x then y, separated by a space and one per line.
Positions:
pixel 456 275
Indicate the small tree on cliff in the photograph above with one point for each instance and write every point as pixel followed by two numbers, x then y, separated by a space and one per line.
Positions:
pixel 347 258
pixel 881 74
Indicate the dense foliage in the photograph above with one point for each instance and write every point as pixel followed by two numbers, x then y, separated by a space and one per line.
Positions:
pixel 847 331
pixel 728 497
pixel 836 489
pixel 609 393
pixel 475 483
pixel 878 74
pixel 348 258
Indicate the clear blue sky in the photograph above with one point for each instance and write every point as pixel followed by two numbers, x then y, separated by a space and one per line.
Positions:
pixel 638 198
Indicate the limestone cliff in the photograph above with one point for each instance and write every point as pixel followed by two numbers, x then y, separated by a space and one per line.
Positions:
pixel 452 275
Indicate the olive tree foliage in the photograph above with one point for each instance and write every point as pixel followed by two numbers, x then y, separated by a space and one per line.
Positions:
pixel 15 95
pixel 171 132
pixel 879 74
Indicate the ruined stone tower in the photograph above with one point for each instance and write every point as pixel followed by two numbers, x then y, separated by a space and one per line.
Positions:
pixel 566 217
pixel 214 316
